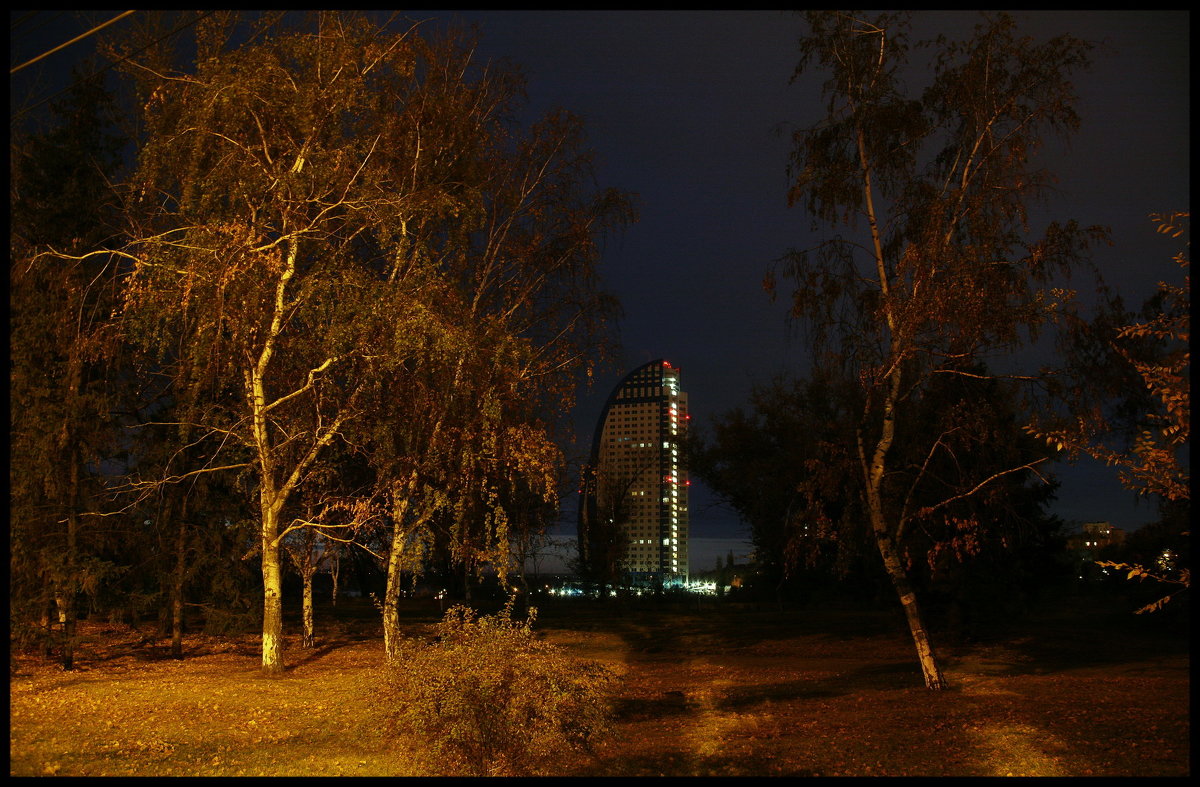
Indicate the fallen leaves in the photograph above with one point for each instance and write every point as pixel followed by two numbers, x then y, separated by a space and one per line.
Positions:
pixel 784 703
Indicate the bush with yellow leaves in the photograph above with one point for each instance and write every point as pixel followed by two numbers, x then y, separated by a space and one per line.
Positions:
pixel 488 698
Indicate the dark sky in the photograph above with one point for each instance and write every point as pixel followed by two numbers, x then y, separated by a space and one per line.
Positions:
pixel 684 109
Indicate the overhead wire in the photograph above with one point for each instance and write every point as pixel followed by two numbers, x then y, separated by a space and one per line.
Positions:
pixel 79 37
pixel 193 21
pixel 23 27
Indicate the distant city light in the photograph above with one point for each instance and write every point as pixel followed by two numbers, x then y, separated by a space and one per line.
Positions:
pixel 574 589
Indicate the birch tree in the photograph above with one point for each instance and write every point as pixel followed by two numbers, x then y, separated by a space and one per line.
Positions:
pixel 336 218
pixel 934 269
pixel 264 208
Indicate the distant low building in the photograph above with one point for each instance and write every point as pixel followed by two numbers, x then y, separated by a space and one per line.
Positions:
pixel 1095 536
pixel 1090 541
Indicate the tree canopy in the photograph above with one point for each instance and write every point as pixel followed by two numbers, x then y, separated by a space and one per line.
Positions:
pixel 339 247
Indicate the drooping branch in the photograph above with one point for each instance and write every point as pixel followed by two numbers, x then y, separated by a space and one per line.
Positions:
pixel 306 387
pixel 1030 466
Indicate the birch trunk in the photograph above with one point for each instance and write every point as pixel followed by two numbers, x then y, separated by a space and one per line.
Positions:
pixel 309 638
pixel 272 571
pixel 402 495
pixel 335 568
pixel 391 597
pixel 271 496
pixel 884 540
pixel 65 602
pixel 46 621
pixel 875 469
pixel 930 669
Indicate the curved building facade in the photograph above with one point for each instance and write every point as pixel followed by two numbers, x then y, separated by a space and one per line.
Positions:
pixel 633 513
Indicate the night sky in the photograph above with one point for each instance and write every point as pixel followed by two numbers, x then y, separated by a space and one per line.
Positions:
pixel 685 109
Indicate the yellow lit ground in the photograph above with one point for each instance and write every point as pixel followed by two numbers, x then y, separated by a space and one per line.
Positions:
pixel 710 691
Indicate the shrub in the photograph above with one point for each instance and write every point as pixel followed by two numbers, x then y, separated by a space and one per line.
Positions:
pixel 222 622
pixel 487 698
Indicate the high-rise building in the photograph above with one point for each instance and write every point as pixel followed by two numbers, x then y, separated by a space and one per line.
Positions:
pixel 633 512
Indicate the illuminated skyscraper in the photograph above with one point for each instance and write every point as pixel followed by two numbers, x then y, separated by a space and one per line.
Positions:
pixel 633 512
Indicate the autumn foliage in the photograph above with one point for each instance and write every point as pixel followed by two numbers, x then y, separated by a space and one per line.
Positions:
pixel 488 698
pixel 1156 350
pixel 343 293
pixel 1151 464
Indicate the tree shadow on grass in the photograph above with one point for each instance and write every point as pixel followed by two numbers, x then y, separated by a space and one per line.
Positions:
pixel 314 654
pixel 653 632
pixel 653 708
pixel 1064 642
pixel 743 698
pixel 677 762
pixel 670 704
pixel 872 677
pixel 748 698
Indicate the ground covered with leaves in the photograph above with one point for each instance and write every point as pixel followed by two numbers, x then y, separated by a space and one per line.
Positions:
pixel 1078 690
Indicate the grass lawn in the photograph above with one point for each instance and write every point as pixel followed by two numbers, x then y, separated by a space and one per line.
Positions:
pixel 710 690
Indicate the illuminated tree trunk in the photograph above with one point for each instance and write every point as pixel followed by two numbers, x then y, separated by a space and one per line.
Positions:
pixel 391 596
pixel 46 622
pixel 65 601
pixel 309 639
pixel 306 562
pixel 908 600
pixel 391 608
pixel 271 495
pixel 886 536
pixel 395 566
pixel 335 567
pixel 404 525
pixel 272 571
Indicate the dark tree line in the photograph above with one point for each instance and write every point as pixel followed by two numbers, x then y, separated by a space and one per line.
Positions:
pixel 784 465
